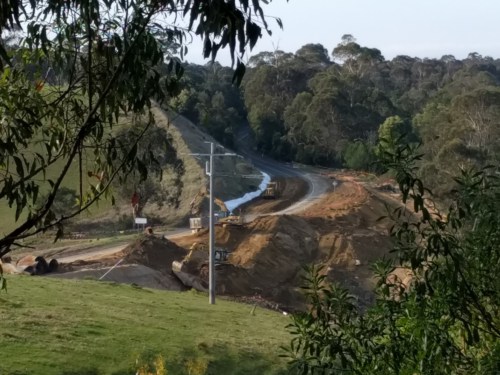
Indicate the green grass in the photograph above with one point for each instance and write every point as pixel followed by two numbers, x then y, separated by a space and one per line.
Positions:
pixel 71 181
pixel 78 327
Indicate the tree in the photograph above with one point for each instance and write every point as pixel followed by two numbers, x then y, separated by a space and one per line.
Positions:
pixel 108 59
pixel 209 99
pixel 356 59
pixel 158 157
pixel 359 156
pixel 459 128
pixel 444 318
pixel 392 132
pixel 314 54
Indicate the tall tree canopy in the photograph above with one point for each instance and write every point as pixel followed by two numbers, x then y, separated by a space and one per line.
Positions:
pixel 303 106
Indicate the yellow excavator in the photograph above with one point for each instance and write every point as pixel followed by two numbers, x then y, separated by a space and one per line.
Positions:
pixel 223 209
pixel 196 202
pixel 223 216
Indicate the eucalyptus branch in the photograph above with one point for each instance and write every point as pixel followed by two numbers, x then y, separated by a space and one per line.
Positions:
pixel 95 198
pixel 30 176
pixel 475 299
pixel 7 241
pixel 42 167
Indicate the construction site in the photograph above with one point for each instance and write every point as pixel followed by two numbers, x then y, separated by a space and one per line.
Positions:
pixel 303 216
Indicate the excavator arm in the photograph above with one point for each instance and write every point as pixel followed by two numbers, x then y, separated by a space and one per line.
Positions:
pixel 221 205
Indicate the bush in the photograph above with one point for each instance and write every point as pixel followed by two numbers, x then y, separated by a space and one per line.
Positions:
pixel 359 156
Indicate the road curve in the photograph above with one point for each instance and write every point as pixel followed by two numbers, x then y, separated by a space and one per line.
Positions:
pixel 318 185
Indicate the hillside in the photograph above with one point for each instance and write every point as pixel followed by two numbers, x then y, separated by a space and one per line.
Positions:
pixel 340 231
pixel 230 172
pixel 55 327
pixel 187 138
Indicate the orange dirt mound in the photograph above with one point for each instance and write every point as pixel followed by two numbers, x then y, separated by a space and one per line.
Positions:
pixel 267 256
pixel 276 241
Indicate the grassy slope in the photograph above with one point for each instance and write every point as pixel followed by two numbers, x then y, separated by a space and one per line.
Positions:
pixel 187 139
pixel 75 327
pixel 229 182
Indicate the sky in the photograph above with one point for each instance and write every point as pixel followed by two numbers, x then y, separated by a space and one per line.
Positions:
pixel 418 28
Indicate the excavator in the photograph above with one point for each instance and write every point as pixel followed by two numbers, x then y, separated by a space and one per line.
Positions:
pixel 223 216
pixel 196 202
pixel 224 212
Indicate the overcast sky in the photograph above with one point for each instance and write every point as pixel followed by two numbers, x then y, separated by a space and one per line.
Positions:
pixel 421 28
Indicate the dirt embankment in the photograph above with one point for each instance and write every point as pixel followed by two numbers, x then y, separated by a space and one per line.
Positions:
pixel 230 180
pixel 145 262
pixel 266 256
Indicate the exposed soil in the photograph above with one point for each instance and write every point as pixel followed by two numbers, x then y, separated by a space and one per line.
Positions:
pixel 267 256
pixel 146 262
pixel 152 251
pixel 340 231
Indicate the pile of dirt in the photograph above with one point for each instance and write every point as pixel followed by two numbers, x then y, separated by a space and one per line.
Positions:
pixel 146 262
pixel 267 256
pixel 152 251
pixel 275 242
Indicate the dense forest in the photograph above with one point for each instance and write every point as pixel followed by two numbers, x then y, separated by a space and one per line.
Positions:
pixel 343 108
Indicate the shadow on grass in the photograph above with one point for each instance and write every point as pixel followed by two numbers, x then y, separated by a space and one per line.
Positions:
pixel 83 371
pixel 221 359
pixel 202 359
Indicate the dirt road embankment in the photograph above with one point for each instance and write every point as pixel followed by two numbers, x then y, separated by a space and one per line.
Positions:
pixel 339 231
pixel 267 256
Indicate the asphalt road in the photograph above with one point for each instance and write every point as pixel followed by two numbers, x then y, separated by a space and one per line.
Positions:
pixel 318 185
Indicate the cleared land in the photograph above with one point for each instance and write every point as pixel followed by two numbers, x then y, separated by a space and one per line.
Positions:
pixel 340 231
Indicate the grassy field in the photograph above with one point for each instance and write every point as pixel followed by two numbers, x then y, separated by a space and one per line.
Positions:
pixel 71 181
pixel 71 327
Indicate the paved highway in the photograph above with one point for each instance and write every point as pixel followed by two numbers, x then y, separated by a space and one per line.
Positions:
pixel 318 185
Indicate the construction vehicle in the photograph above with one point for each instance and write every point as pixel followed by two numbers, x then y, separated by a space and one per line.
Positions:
pixel 226 217
pixel 224 212
pixel 222 216
pixel 271 191
pixel 230 220
pixel 196 202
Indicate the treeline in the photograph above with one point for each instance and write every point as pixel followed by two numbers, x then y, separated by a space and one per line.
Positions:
pixel 208 98
pixel 334 110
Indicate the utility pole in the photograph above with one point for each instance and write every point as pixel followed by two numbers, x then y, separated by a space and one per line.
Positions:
pixel 211 241
pixel 209 171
